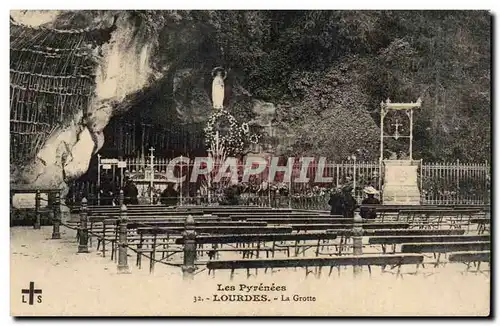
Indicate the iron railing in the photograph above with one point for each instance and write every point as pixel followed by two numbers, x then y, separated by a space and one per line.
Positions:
pixel 440 183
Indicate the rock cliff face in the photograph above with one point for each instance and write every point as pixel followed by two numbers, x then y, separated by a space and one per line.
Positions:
pixel 123 70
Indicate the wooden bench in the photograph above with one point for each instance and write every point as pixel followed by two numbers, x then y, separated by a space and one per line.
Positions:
pixel 394 240
pixel 385 211
pixel 444 247
pixel 366 226
pixel 424 218
pixel 101 227
pixel 106 230
pixel 438 215
pixel 219 230
pixel 160 210
pixel 103 221
pixel 149 214
pixel 464 217
pixel 236 231
pixel 484 208
pixel 199 224
pixel 104 225
pixel 109 232
pixel 97 223
pixel 346 234
pixel 99 218
pixel 368 260
pixel 247 238
pixel 483 224
pixel 395 232
pixel 167 251
pixel 246 252
pixel 468 257
pixel 275 214
pixel 263 238
pixel 111 235
pixel 308 220
pixel 144 207
pixel 290 216
pixel 399 211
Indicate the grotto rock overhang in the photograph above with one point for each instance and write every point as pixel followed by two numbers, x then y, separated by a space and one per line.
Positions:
pixel 71 136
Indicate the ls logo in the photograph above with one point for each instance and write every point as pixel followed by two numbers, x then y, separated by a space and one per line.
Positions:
pixel 30 294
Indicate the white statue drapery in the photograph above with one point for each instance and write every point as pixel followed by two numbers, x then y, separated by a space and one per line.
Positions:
pixel 218 87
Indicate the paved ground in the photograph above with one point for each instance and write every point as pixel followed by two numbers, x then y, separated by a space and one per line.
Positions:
pixel 87 284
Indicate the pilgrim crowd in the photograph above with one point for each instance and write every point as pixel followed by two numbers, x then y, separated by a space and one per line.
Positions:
pixel 340 199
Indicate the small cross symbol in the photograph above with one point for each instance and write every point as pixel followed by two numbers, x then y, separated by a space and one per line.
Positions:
pixel 397 125
pixel 31 291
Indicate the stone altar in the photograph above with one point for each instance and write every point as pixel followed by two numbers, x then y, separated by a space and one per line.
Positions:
pixel 401 182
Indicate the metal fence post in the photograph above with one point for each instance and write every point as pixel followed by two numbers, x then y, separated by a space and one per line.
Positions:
pixel 152 176
pixel 83 231
pixel 357 240
pixel 99 179
pixel 487 177
pixel 180 182
pixel 122 246
pixel 56 220
pixel 38 218
pixel 121 198
pixel 189 235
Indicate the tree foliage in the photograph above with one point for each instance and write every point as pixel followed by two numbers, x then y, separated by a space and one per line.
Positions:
pixel 335 67
pixel 327 72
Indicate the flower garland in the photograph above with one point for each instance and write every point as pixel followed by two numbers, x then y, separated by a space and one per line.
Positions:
pixel 231 139
pixel 245 127
pixel 254 138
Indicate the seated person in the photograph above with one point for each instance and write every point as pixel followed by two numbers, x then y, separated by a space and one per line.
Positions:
pixel 369 213
pixel 169 196
pixel 231 196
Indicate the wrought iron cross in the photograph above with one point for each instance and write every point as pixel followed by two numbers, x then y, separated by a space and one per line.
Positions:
pixel 397 125
pixel 151 154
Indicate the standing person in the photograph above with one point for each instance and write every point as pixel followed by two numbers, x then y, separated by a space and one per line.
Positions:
pixel 365 212
pixel 106 191
pixel 169 195
pixel 130 192
pixel 335 202
pixel 262 193
pixel 348 202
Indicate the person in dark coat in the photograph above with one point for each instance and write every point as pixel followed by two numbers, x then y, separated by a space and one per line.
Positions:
pixel 348 202
pixel 130 193
pixel 169 196
pixel 365 212
pixel 335 203
pixel 231 195
pixel 106 192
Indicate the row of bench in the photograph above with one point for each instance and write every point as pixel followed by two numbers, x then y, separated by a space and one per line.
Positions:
pixel 175 227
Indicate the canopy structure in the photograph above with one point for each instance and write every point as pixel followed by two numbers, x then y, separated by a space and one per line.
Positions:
pixel 52 77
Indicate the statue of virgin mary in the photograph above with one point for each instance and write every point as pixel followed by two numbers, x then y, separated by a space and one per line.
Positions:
pixel 219 75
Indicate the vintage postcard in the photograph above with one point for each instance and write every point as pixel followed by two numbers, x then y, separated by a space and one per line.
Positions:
pixel 250 163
